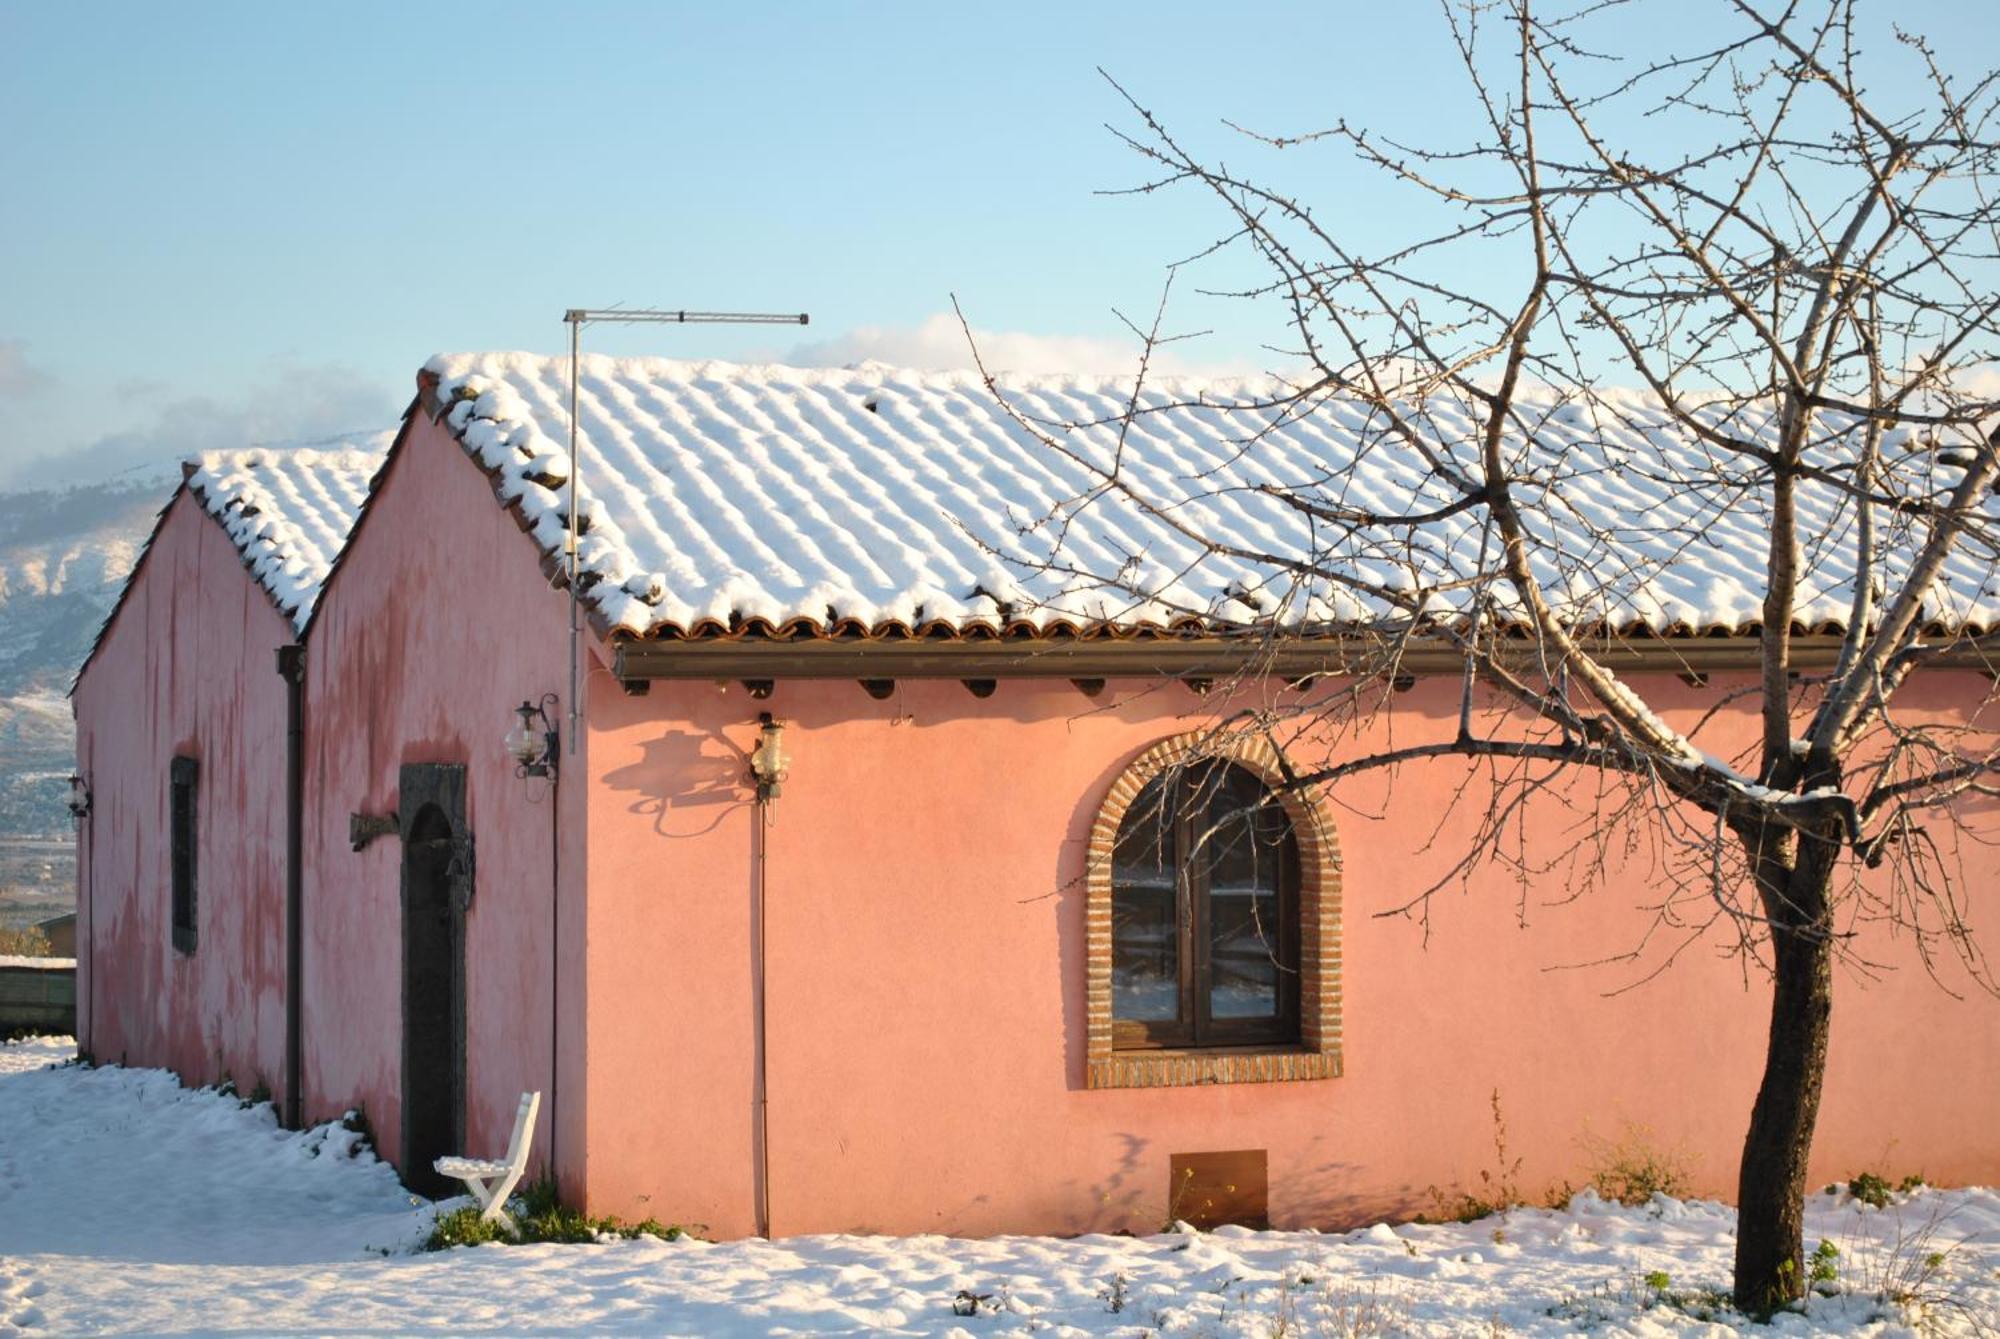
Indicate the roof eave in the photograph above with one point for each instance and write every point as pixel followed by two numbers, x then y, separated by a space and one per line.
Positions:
pixel 1177 657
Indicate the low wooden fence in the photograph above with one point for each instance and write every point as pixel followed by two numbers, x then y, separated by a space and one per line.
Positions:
pixel 37 995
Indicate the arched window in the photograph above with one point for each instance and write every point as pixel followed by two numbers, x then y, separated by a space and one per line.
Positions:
pixel 1212 922
pixel 1205 913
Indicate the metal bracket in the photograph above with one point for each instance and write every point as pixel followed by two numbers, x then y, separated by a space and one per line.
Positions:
pixel 365 828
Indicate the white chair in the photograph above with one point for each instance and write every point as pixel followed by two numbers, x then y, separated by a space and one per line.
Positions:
pixel 492 1182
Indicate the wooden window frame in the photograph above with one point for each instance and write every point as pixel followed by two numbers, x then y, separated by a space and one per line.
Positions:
pixel 183 834
pixel 1316 1051
pixel 1195 1027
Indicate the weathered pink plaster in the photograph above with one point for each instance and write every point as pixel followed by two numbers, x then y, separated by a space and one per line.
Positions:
pixel 435 626
pixel 188 665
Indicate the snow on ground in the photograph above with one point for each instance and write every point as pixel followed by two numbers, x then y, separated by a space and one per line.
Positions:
pixel 131 1205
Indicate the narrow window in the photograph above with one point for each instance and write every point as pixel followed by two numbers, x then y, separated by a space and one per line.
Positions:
pixel 1205 914
pixel 181 826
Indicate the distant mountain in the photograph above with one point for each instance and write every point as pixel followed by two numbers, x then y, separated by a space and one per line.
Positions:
pixel 64 554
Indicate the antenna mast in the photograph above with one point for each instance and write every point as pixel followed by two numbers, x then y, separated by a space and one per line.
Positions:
pixel 577 318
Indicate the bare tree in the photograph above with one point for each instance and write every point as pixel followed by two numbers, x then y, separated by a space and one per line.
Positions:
pixel 1800 296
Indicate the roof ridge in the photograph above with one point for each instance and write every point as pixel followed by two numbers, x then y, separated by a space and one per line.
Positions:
pixel 662 367
pixel 447 364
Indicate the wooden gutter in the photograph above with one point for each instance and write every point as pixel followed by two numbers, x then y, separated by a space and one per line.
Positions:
pixel 1179 657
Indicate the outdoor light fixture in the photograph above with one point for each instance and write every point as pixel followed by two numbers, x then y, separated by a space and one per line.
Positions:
pixel 79 797
pixel 533 743
pixel 768 762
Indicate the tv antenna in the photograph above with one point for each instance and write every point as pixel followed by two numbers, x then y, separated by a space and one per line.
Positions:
pixel 577 318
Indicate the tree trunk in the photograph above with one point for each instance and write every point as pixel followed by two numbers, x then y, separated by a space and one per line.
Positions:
pixel 1771 1185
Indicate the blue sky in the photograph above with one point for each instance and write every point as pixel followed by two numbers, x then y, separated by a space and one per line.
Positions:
pixel 231 223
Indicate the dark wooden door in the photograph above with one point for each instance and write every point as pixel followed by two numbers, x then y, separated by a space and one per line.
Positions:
pixel 437 892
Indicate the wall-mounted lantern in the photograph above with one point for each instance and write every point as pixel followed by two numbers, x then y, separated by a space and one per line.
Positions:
pixel 768 763
pixel 79 797
pixel 533 742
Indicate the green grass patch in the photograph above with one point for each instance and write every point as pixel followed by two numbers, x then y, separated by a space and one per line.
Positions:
pixel 540 1214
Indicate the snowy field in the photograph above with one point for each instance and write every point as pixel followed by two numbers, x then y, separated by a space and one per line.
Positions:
pixel 131 1205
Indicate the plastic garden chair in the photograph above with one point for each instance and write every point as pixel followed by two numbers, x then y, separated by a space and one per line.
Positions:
pixel 492 1182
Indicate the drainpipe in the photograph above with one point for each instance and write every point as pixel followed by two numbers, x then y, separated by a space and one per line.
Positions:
pixel 87 853
pixel 292 667
pixel 555 970
pixel 763 1082
pixel 768 769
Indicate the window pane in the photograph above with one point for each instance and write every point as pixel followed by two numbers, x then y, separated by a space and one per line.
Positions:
pixel 1244 956
pixel 1245 850
pixel 1145 940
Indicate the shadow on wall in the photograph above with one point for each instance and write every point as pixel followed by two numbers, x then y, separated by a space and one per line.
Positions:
pixel 1323 1193
pixel 685 771
pixel 1127 1200
pixel 1066 895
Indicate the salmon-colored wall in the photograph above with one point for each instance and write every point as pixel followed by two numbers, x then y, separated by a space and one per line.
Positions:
pixel 188 666
pixel 435 627
pixel 925 970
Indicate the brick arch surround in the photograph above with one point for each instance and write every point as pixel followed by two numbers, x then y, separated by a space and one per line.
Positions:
pixel 1318 1054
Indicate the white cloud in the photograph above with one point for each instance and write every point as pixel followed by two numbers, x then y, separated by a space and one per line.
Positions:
pixel 19 377
pixel 940 343
pixel 1980 383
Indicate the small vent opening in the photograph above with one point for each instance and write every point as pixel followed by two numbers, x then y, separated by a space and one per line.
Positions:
pixel 1210 1189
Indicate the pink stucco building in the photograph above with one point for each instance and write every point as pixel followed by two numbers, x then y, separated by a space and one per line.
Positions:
pixel 182 961
pixel 960 968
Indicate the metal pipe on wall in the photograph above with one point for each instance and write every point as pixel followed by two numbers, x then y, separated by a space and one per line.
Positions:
pixel 555 967
pixel 760 871
pixel 575 320
pixel 292 667
pixel 87 853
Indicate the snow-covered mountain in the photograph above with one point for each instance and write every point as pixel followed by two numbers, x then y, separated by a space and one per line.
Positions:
pixel 64 553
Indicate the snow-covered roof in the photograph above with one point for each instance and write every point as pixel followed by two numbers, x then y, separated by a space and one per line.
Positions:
pixel 720 497
pixel 288 511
